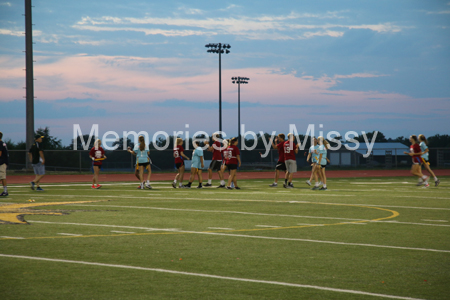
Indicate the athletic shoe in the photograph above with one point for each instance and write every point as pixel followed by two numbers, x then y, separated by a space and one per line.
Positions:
pixel 207 185
pixel 289 186
pixel 284 185
pixel 426 185
pixel 221 186
pixel 308 182
pixel 4 194
pixel 237 188
pixel 200 187
pixel 419 183
pixel 39 188
pixel 148 186
pixel 323 189
pixel 139 187
pixel 93 187
pixel 32 185
pixel 436 183
pixel 174 185
pixel 273 184
pixel 315 187
pixel 98 186
pixel 229 188
pixel 186 186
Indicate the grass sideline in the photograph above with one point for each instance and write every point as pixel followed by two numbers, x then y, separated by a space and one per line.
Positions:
pixel 364 238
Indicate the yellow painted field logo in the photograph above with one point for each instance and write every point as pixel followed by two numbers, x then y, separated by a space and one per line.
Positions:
pixel 14 213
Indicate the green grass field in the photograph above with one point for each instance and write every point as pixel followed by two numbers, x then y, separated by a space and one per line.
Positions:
pixel 364 238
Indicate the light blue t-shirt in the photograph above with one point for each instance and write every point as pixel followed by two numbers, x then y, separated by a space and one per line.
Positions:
pixel 141 156
pixel 196 162
pixel 322 150
pixel 314 156
pixel 424 147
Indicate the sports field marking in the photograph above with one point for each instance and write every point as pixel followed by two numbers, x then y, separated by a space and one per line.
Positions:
pixel 435 220
pixel 322 288
pixel 12 237
pixel 231 235
pixel 69 234
pixel 122 231
pixel 221 211
pixel 219 228
pixel 268 226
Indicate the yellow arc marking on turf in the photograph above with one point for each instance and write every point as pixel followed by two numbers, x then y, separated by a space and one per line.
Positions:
pixel 12 213
pixel 394 214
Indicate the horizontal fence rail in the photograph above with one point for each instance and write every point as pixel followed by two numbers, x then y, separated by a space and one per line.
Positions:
pixel 121 160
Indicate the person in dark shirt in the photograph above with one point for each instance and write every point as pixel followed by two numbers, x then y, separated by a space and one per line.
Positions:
pixel 4 162
pixel 36 156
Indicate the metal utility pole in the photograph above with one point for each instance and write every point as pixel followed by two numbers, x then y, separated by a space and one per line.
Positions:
pixel 238 81
pixel 29 76
pixel 220 49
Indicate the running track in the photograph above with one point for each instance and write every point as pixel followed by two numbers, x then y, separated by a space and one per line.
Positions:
pixel 107 177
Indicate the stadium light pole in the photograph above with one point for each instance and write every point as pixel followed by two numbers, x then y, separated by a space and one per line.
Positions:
pixel 219 49
pixel 29 77
pixel 239 81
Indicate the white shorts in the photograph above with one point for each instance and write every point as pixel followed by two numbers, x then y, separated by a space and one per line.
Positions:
pixel 3 171
pixel 291 165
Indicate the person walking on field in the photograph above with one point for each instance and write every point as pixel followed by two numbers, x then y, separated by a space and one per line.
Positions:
pixel 4 162
pixel 425 159
pixel 233 161
pixel 290 149
pixel 36 156
pixel 97 154
pixel 415 153
pixel 216 162
pixel 178 154
pixel 141 152
pixel 278 144
pixel 196 166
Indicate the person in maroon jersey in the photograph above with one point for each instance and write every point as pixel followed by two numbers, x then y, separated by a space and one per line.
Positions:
pixel 290 149
pixel 97 154
pixel 216 163
pixel 281 166
pixel 415 152
pixel 178 154
pixel 233 156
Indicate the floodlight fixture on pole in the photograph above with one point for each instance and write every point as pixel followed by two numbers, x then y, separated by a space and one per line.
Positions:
pixel 239 81
pixel 220 49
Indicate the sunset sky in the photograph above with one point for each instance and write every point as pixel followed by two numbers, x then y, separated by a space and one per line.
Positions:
pixel 143 66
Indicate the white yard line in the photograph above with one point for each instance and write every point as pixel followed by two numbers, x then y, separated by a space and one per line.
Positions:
pixel 122 231
pixel 69 234
pixel 255 237
pixel 12 237
pixel 268 226
pixel 435 221
pixel 210 276
pixel 219 228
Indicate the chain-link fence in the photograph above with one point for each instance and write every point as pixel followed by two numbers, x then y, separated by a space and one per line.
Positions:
pixel 120 160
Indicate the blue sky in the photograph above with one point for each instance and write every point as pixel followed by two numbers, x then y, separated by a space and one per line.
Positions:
pixel 143 65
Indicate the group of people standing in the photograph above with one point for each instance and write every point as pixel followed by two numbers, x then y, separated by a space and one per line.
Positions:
pixel 225 156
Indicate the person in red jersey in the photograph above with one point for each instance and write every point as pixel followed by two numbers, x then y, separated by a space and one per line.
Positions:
pixel 233 161
pixel 415 152
pixel 178 154
pixel 216 163
pixel 281 166
pixel 97 154
pixel 290 149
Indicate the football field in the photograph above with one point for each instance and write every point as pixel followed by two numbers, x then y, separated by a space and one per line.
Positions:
pixel 363 238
